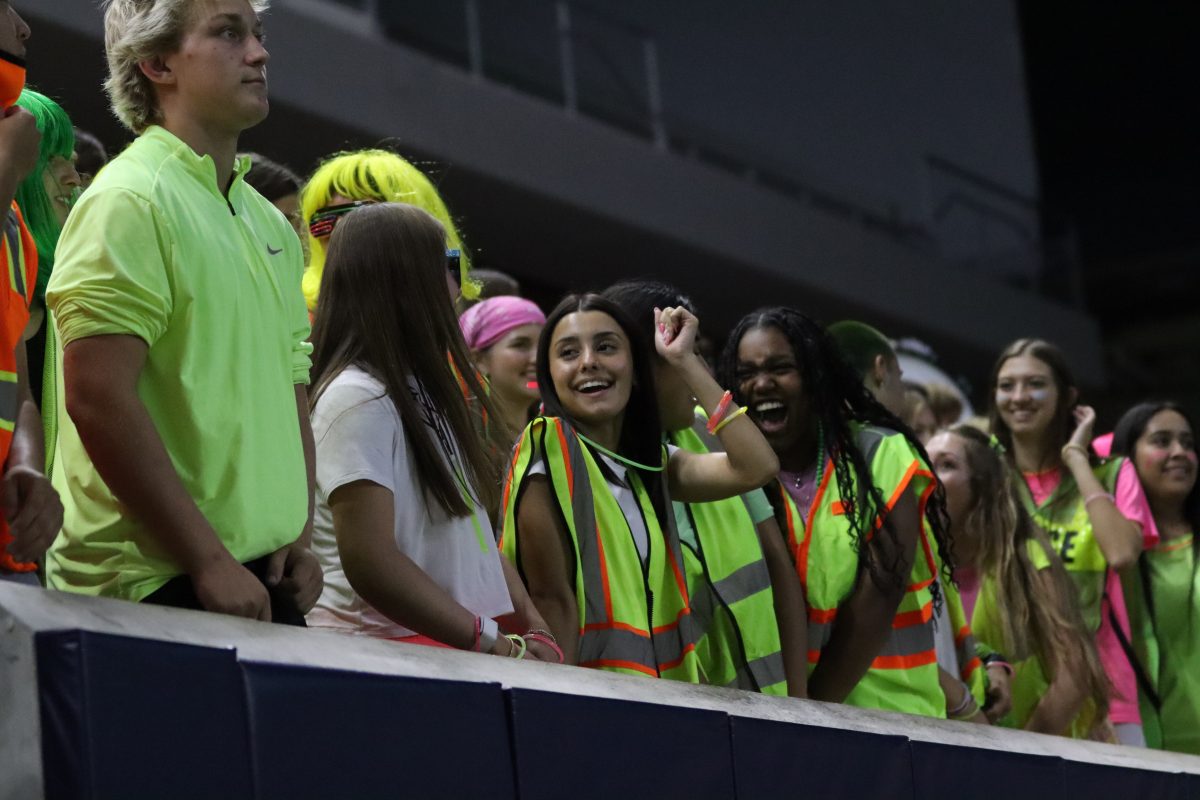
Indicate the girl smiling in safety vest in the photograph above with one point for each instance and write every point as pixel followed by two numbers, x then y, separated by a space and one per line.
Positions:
pixel 1094 512
pixel 586 508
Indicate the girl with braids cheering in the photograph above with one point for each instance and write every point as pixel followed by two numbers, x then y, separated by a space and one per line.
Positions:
pixel 587 514
pixel 1023 602
pixel 402 479
pixel 871 517
pixel 1164 591
pixel 1094 512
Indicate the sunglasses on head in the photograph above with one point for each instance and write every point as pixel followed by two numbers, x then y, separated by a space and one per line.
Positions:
pixel 324 221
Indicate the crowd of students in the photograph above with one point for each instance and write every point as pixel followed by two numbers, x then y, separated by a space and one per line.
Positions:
pixel 259 397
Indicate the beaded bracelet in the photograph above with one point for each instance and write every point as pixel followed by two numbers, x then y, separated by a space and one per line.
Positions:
pixel 720 412
pixel 537 637
pixel 1098 495
pixel 729 419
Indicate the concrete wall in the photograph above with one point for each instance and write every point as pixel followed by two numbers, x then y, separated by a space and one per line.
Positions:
pixel 572 203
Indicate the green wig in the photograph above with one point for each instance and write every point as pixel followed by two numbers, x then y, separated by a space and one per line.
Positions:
pixel 374 175
pixel 859 344
pixel 58 139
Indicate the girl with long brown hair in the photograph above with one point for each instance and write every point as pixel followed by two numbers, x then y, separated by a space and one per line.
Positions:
pixel 1019 597
pixel 1093 511
pixel 403 480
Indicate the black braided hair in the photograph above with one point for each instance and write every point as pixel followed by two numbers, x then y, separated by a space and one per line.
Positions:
pixel 838 396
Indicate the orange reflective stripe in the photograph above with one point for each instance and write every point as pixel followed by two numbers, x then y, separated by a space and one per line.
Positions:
pixel 808 522
pixel 562 440
pixel 688 648
pixel 920 616
pixel 905 662
pixel 972 665
pixel 919 585
pixel 615 626
pixel 962 634
pixel 670 626
pixel 512 471
pixel 822 615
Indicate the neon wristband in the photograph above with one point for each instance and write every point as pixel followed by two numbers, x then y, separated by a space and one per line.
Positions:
pixel 537 637
pixel 719 413
pixel 730 419
pixel 519 645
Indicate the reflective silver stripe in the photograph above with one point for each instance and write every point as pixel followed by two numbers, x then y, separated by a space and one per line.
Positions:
pixel 768 670
pixel 905 641
pixel 670 644
pixel 703 608
pixel 12 232
pixel 583 510
pixel 868 441
pixel 744 582
pixel 616 644
pixel 818 634
pixel 909 641
pixel 8 400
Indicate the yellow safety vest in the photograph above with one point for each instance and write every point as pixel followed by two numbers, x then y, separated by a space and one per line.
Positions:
pixel 730 587
pixel 904 676
pixel 634 615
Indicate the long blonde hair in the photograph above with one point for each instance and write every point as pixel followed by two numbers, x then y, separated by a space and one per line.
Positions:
pixel 1031 623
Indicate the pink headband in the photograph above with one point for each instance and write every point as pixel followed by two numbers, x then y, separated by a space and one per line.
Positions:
pixel 485 323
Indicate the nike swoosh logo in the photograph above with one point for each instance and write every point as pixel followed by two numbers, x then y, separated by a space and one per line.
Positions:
pixel 274 252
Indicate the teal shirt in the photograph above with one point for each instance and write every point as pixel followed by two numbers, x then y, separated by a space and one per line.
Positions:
pixel 212 285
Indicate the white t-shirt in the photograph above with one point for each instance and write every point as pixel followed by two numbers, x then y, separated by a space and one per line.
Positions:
pixel 359 436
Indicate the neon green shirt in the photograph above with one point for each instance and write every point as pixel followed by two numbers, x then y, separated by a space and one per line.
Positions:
pixel 1175 668
pixel 212 285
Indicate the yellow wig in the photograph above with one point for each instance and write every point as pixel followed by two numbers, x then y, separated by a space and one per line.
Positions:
pixel 374 175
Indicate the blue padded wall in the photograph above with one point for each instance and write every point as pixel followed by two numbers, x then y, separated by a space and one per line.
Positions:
pixel 586 747
pixel 1098 782
pixel 781 760
pixel 944 772
pixel 127 718
pixel 331 734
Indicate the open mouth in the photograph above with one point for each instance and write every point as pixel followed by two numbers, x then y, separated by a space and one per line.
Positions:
pixel 593 387
pixel 771 415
